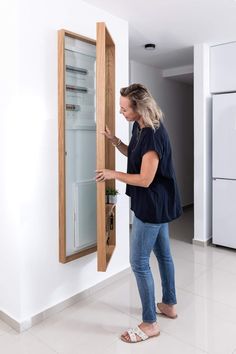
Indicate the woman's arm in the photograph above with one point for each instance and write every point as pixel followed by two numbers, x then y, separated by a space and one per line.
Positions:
pixel 147 173
pixel 115 141
pixel 120 146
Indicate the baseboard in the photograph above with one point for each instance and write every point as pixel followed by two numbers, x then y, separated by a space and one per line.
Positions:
pixel 10 321
pixel 201 243
pixel 30 322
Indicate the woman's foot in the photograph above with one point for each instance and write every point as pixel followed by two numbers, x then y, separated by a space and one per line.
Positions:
pixel 149 329
pixel 167 310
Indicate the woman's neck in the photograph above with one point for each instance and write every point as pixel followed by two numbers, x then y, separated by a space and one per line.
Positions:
pixel 140 123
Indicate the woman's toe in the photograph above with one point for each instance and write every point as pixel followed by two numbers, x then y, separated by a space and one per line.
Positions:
pixel 125 336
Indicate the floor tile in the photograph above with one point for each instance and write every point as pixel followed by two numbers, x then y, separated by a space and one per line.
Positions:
pixel 206 323
pixel 24 343
pixel 207 256
pixel 217 285
pixel 122 296
pixel 88 327
pixel 228 262
pixel 164 344
pixel 203 324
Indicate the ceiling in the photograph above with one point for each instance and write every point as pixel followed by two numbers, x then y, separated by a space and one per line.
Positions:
pixel 174 26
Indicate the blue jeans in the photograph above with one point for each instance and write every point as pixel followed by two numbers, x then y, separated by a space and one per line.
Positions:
pixel 145 238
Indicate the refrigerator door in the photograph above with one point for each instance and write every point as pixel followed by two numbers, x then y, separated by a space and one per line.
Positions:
pixel 224 136
pixel 224 213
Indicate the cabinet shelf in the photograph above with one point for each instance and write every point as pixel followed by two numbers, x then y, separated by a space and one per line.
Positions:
pixel 76 89
pixel 76 70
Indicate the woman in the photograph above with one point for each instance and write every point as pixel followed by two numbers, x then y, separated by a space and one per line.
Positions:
pixel 155 201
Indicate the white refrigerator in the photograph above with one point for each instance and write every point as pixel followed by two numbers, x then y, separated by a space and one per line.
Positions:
pixel 224 169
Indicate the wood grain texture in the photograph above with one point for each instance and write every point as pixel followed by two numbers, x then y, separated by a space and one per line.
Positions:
pixel 61 145
pixel 78 36
pixel 105 114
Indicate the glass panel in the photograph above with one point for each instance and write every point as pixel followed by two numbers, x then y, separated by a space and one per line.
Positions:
pixel 80 145
pixel 85 214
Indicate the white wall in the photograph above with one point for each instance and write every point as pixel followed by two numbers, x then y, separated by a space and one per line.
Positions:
pixel 31 276
pixel 176 101
pixel 9 165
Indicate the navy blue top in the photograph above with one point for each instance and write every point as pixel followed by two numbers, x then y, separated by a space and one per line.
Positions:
pixel 160 202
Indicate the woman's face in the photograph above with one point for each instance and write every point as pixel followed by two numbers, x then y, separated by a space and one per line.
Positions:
pixel 127 111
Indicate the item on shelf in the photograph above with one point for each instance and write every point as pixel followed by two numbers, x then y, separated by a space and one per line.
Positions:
pixel 111 221
pixel 73 107
pixel 76 89
pixel 111 195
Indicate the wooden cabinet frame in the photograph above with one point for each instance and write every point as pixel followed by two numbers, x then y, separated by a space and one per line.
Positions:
pixel 105 114
pixel 105 108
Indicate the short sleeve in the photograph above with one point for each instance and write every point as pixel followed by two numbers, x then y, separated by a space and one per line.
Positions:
pixel 152 141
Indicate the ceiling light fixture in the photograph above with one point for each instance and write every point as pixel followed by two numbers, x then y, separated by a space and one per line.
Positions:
pixel 150 46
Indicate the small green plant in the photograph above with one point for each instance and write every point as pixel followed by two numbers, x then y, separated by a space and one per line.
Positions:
pixel 111 195
pixel 111 191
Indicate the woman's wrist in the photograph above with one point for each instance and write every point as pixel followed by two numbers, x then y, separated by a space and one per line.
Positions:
pixel 116 141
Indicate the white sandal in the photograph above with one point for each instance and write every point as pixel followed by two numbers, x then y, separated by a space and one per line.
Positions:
pixel 133 332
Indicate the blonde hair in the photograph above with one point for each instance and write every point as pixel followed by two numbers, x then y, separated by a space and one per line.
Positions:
pixel 144 104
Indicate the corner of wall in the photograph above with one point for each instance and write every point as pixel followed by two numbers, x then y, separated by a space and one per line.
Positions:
pixel 202 144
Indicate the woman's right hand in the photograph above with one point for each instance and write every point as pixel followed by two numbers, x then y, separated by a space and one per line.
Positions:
pixel 116 142
pixel 109 135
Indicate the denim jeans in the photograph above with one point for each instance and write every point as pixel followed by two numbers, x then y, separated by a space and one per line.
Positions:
pixel 145 238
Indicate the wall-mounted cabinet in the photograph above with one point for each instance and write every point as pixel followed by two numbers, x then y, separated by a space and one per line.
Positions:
pixel 86 104
pixel 223 68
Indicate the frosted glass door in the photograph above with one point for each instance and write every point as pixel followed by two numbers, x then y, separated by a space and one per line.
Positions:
pixel 77 146
pixel 85 207
pixel 80 144
pixel 80 189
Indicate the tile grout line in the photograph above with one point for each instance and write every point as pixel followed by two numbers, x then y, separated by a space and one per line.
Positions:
pixel 42 341
pixel 182 341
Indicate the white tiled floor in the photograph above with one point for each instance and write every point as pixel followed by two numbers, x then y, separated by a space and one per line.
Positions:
pixel 206 291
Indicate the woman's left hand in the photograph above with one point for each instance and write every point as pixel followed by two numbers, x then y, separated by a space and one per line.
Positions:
pixel 104 174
